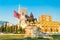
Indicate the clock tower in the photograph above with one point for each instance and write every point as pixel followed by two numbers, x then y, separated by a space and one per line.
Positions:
pixel 22 20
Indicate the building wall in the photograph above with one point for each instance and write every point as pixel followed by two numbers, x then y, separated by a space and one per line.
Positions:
pixel 49 26
pixel 45 18
pixel 23 10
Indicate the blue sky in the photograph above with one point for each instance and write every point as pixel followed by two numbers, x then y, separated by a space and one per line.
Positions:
pixel 37 7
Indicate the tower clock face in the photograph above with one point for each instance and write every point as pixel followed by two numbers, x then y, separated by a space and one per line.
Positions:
pixel 22 13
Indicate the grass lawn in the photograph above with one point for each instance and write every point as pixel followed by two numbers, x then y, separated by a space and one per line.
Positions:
pixel 20 37
pixel 11 37
pixel 56 37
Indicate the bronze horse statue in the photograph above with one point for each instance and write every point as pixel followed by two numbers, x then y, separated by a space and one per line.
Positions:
pixel 30 19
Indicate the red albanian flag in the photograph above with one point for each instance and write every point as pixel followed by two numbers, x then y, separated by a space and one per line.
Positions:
pixel 17 15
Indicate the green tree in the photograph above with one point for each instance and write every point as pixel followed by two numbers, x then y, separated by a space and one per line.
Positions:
pixel 22 31
pixel 2 28
pixel 16 31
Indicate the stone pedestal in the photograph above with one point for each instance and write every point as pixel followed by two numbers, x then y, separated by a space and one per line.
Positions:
pixel 32 31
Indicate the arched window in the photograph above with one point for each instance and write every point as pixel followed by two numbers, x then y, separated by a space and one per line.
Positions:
pixel 51 29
